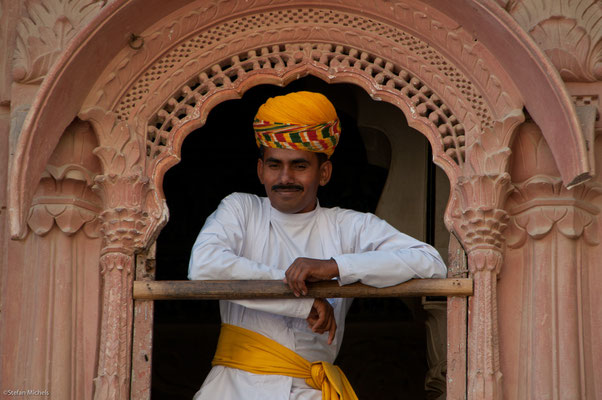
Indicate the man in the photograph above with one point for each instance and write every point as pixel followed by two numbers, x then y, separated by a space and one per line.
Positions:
pixel 282 349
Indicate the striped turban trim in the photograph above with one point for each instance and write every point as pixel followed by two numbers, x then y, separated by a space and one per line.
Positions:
pixel 319 138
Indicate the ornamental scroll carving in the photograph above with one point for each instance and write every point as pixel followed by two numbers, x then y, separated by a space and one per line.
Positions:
pixel 45 32
pixel 569 32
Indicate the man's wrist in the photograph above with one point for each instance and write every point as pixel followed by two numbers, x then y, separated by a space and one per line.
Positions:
pixel 333 268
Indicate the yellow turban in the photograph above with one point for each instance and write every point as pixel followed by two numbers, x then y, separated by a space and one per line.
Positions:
pixel 298 121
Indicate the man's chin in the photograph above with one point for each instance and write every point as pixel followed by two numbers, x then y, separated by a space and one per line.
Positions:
pixel 287 203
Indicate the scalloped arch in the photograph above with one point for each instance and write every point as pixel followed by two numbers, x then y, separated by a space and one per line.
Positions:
pixel 187 107
pixel 99 68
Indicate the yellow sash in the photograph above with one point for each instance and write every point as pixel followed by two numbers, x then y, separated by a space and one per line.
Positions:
pixel 252 352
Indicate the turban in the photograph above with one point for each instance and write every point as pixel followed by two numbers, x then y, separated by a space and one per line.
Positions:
pixel 298 121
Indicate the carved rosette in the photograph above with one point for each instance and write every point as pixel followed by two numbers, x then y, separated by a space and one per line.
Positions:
pixel 130 218
pixel 479 219
pixel 45 32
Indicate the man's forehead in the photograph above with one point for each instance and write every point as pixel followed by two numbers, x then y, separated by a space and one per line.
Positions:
pixel 288 154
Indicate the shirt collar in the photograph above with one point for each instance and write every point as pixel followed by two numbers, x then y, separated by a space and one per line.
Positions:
pixel 294 218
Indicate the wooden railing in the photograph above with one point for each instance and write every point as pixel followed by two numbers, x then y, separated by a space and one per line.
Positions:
pixel 261 289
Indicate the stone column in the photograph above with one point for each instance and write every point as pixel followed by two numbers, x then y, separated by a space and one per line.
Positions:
pixel 478 218
pixel 130 218
pixel 549 287
pixel 482 224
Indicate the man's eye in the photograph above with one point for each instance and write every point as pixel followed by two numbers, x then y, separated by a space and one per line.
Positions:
pixel 272 166
pixel 301 166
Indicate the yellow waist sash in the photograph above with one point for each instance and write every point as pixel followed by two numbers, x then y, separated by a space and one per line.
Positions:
pixel 252 352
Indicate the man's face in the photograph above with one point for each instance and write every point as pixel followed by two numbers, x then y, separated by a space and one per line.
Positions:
pixel 291 178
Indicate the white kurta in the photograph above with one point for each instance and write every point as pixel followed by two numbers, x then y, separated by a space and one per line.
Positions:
pixel 246 238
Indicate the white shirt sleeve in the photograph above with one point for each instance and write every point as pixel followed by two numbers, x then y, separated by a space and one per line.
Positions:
pixel 215 256
pixel 379 255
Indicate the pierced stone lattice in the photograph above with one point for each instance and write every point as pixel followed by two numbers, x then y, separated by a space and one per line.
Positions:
pixel 281 19
pixel 279 57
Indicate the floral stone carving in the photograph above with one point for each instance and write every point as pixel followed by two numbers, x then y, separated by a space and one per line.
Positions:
pixel 570 33
pixel 45 32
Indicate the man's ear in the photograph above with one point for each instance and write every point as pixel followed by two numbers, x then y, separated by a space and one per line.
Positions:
pixel 260 170
pixel 325 172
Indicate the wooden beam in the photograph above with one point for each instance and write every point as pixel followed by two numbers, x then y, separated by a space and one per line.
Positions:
pixel 259 289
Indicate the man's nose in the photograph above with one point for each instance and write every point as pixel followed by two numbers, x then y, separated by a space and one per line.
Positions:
pixel 287 175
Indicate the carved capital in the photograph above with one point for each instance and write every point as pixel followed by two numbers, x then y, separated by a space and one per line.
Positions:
pixel 45 32
pixel 541 204
pixel 133 211
pixel 64 197
pixel 66 202
pixel 478 218
pixel 477 206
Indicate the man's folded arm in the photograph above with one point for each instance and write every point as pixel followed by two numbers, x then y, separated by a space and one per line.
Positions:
pixel 214 257
pixel 382 256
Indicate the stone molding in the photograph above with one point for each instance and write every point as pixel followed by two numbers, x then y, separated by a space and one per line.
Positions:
pixel 43 34
pixel 569 32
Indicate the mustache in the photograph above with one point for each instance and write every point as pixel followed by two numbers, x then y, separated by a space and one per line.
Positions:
pixel 287 187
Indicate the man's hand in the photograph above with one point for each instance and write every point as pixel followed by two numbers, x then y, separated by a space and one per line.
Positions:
pixel 310 270
pixel 321 319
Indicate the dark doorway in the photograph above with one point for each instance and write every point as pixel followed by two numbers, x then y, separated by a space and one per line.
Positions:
pixel 384 350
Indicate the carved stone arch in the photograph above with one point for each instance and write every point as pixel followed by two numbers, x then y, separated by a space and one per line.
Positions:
pixel 468 123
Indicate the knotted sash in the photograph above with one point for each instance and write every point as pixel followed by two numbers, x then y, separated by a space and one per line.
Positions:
pixel 252 352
